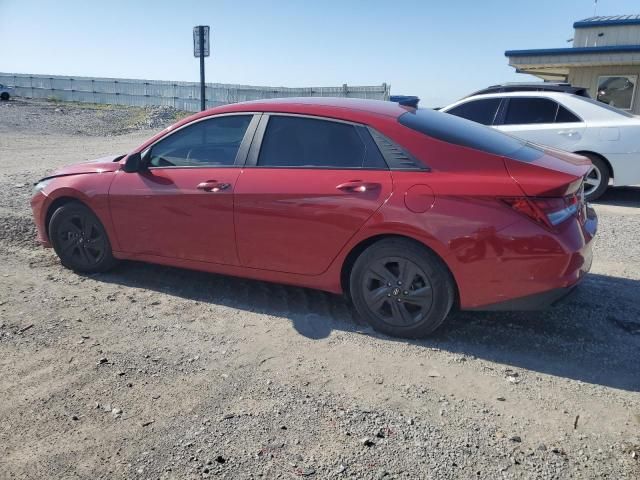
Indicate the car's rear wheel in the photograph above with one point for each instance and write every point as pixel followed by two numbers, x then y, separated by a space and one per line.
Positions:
pixel 4 96
pixel 401 288
pixel 79 239
pixel 597 180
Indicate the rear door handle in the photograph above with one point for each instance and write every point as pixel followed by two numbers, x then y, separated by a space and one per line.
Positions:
pixel 567 133
pixel 358 186
pixel 213 186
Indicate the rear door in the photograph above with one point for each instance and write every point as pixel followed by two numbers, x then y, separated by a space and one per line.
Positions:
pixel 542 121
pixel 309 185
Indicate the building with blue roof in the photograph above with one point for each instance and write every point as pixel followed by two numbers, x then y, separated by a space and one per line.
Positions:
pixel 605 58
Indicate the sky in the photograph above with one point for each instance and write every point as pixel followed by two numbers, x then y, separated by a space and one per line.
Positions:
pixel 439 50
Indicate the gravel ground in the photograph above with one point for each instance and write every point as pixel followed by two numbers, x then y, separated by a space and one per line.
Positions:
pixel 155 372
pixel 46 117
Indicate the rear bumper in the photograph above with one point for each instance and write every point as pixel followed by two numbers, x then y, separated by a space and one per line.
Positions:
pixel 537 301
pixel 530 270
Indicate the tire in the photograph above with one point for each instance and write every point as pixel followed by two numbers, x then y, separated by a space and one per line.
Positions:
pixel 597 181
pixel 80 240
pixel 4 96
pixel 381 298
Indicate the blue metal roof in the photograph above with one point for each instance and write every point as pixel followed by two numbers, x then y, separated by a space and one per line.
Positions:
pixel 608 21
pixel 572 51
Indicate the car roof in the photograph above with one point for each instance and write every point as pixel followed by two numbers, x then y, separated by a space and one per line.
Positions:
pixel 544 93
pixel 531 86
pixel 586 108
pixel 368 112
pixel 354 109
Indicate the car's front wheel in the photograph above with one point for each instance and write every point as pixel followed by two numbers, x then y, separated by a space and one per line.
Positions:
pixel 4 96
pixel 79 239
pixel 401 288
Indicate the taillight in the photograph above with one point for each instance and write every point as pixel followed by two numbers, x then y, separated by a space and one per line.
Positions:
pixel 550 212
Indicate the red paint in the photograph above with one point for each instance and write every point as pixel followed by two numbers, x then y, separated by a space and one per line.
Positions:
pixel 297 226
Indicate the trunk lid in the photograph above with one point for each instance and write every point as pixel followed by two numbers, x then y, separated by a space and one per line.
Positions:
pixel 553 174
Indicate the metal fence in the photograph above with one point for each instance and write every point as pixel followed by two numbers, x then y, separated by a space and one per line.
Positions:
pixel 180 95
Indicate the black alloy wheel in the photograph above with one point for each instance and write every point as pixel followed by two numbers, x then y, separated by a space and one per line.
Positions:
pixel 397 291
pixel 401 288
pixel 79 239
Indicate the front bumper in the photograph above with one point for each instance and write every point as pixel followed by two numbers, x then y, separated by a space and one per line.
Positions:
pixel 39 204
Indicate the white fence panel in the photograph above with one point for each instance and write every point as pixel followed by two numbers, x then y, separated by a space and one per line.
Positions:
pixel 181 95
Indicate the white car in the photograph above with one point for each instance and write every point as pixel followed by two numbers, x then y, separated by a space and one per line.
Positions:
pixel 5 92
pixel 608 136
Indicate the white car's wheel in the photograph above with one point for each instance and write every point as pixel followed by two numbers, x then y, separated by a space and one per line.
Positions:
pixel 597 180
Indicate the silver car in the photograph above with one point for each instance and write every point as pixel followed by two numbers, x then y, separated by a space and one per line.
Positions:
pixel 5 92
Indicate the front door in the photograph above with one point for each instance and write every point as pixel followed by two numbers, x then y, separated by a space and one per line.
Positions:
pixel 181 206
pixel 313 185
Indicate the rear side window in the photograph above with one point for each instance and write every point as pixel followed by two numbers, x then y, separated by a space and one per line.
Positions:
pixel 526 111
pixel 459 131
pixel 523 111
pixel 481 111
pixel 208 143
pixel 291 141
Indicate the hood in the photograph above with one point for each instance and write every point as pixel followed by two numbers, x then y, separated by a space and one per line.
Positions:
pixel 553 174
pixel 100 165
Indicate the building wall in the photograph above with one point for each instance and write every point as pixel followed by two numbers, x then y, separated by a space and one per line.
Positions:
pixel 598 58
pixel 180 95
pixel 618 35
pixel 588 77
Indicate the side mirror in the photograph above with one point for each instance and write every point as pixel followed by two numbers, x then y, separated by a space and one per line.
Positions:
pixel 134 163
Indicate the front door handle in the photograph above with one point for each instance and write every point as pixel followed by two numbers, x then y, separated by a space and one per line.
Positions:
pixel 358 186
pixel 213 186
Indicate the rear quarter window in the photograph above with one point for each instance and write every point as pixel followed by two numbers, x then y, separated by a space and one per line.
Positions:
pixel 456 130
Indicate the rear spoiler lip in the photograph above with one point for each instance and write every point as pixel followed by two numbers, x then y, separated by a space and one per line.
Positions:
pixel 405 100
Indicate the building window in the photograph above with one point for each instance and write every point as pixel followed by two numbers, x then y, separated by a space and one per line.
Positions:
pixel 617 90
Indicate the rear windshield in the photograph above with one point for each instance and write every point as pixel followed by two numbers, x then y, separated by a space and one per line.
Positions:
pixel 607 106
pixel 452 129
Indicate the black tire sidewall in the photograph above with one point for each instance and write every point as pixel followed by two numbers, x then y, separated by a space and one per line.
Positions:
pixel 106 262
pixel 603 168
pixel 5 96
pixel 441 284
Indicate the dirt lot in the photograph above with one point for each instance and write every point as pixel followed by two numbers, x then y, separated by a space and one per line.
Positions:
pixel 154 372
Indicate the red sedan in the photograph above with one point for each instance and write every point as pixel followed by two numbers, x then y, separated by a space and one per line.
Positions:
pixel 410 212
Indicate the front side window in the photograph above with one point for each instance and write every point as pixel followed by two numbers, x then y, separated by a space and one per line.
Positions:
pixel 308 142
pixel 481 111
pixel 208 143
pixel 617 90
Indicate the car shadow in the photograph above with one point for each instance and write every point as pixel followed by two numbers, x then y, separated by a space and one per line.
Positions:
pixel 594 336
pixel 620 197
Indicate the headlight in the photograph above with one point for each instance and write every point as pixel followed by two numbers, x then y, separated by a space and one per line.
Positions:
pixel 40 185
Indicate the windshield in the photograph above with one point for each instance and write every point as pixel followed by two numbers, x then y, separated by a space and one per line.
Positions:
pixel 608 107
pixel 457 130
